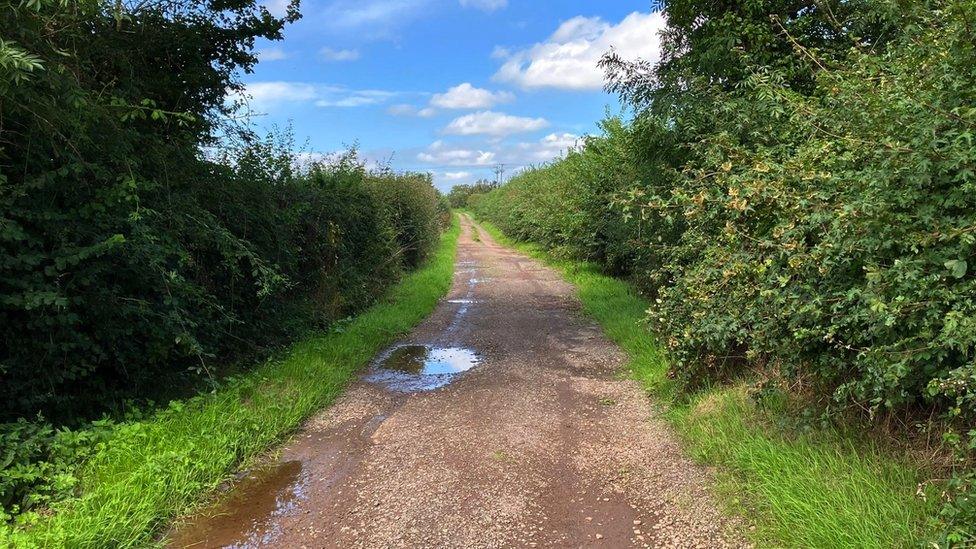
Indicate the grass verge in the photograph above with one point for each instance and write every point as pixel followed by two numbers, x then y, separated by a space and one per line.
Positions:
pixel 155 470
pixel 820 489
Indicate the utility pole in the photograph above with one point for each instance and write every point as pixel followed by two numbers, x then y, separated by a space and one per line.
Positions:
pixel 499 173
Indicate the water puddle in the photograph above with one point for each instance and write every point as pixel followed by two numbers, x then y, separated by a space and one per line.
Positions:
pixel 409 368
pixel 463 301
pixel 246 518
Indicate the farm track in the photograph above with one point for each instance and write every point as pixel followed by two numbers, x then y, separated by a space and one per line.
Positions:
pixel 545 443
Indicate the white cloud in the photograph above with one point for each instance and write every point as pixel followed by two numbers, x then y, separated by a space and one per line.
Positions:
pixel 493 124
pixel 271 54
pixel 440 154
pixel 549 147
pixel 501 52
pixel 403 109
pixel 568 59
pixel 462 96
pixel 264 94
pixel 340 97
pixel 278 8
pixel 371 19
pixel 268 95
pixel 485 5
pixel 330 54
pixel 456 176
pixel 466 96
pixel 476 162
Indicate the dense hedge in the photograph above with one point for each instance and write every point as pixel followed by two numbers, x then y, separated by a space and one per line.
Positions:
pixel 145 238
pixel 802 202
pixel 148 242
pixel 461 195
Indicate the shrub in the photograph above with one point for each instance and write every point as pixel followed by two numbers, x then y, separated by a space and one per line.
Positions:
pixel 411 204
pixel 132 263
pixel 460 195
pixel 801 202
pixel 39 463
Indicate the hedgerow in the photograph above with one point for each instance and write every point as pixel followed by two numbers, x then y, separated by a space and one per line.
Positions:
pixel 148 241
pixel 796 193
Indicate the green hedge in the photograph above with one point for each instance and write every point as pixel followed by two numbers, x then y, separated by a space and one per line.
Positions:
pixel 800 204
pixel 148 243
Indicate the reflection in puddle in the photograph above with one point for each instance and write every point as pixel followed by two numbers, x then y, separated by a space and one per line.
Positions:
pixel 410 368
pixel 247 517
pixel 462 301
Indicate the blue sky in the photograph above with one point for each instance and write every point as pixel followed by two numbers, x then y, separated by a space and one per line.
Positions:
pixel 450 87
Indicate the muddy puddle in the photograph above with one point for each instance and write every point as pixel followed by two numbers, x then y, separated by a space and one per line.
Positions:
pixel 409 368
pixel 247 517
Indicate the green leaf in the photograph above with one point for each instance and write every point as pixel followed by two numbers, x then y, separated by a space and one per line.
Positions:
pixel 957 267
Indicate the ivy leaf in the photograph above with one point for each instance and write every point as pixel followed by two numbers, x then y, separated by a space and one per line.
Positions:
pixel 957 267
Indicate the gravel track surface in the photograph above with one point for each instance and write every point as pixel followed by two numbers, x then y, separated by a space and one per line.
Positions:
pixel 545 443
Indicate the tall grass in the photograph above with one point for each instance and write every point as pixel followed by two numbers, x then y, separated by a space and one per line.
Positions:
pixel 819 489
pixel 155 470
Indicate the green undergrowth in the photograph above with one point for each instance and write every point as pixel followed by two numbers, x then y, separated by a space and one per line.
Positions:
pixel 152 471
pixel 815 488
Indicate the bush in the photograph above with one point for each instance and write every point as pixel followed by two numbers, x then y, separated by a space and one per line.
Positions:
pixel 39 463
pixel 147 244
pixel 802 202
pixel 842 254
pixel 460 195
pixel 411 203
pixel 132 263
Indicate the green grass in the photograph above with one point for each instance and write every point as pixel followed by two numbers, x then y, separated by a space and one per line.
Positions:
pixel 797 489
pixel 156 470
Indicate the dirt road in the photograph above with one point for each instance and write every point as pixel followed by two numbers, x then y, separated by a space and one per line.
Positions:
pixel 543 443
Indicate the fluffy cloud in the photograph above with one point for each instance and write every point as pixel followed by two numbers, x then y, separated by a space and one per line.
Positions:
pixel 484 5
pixel 466 96
pixel 278 8
pixel 456 176
pixel 549 147
pixel 513 155
pixel 478 161
pixel 440 154
pixel 269 95
pixel 330 54
pixel 494 124
pixel 265 94
pixel 271 54
pixel 568 59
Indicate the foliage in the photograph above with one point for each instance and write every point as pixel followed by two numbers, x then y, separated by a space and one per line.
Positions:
pixel 797 194
pixel 795 485
pixel 412 205
pixel 112 238
pixel 147 242
pixel 461 194
pixel 39 462
pixel 567 205
pixel 143 237
pixel 155 469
